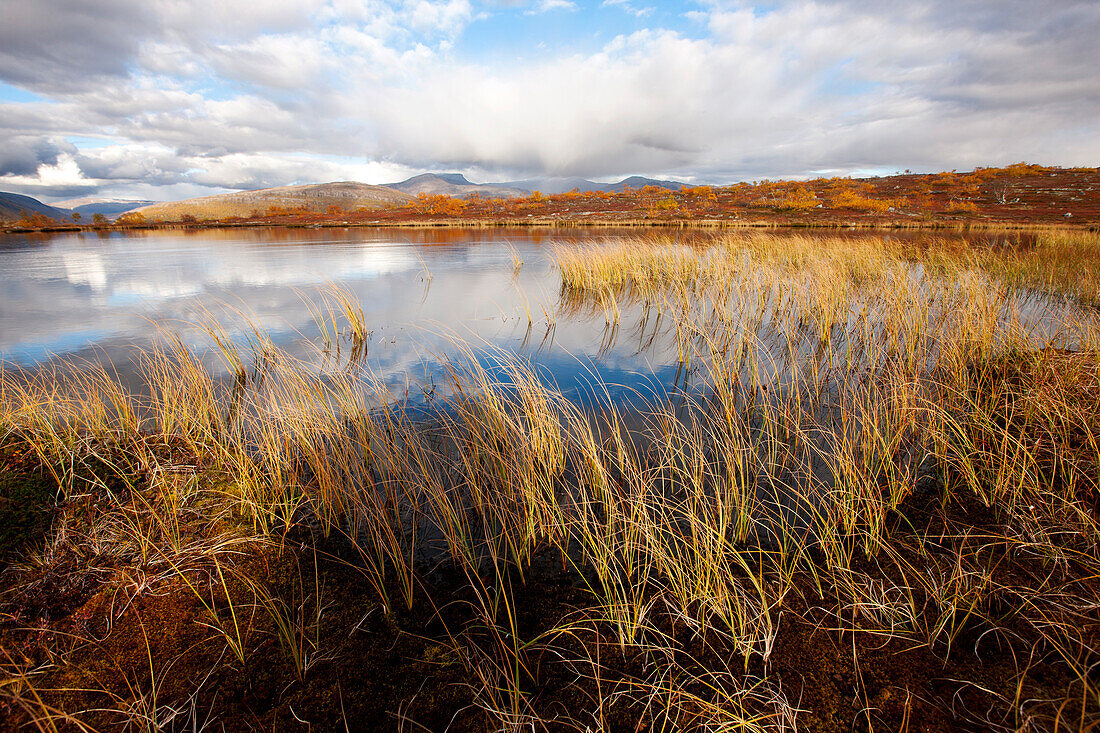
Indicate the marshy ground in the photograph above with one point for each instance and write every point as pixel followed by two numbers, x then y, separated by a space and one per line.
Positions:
pixel 873 505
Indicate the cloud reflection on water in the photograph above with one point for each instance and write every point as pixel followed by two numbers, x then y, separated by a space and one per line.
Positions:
pixel 422 291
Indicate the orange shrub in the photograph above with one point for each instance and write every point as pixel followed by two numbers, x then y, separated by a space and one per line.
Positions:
pixel 849 199
pixel 34 221
pixel 702 192
pixel 945 180
pixel 1024 169
pixel 131 218
pixel 667 205
pixel 961 207
pixel 438 204
pixel 797 198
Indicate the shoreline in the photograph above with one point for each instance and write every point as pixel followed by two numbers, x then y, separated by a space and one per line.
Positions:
pixel 959 226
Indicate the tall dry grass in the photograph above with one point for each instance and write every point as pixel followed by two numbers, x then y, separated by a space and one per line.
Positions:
pixel 833 379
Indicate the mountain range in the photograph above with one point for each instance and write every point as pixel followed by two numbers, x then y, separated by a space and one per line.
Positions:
pixel 454 184
pixel 16 206
pixel 89 206
pixel 563 185
pixel 348 195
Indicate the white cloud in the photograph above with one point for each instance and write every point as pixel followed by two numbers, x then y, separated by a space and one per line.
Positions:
pixel 448 17
pixel 545 6
pixel 806 87
pixel 283 61
pixel 650 101
pixel 215 94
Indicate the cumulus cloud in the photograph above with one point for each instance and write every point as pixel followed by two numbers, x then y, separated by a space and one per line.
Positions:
pixel 23 155
pixel 61 45
pixel 801 88
pixel 282 61
pixel 60 179
pixel 139 170
pixel 449 16
pixel 207 94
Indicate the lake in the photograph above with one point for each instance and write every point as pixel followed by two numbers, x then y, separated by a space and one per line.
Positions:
pixel 426 295
pixel 423 292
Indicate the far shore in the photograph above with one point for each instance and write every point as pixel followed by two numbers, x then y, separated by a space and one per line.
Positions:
pixel 946 224
pixel 1015 197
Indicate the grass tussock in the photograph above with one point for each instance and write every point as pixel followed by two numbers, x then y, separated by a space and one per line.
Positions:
pixel 874 504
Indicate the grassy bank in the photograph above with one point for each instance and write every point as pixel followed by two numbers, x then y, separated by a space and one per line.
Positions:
pixel 874 507
pixel 324 221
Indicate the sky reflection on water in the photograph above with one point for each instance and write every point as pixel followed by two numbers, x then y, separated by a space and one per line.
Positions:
pixel 422 293
pixel 427 295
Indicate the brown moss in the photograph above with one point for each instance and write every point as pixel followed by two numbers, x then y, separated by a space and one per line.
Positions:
pixel 26 500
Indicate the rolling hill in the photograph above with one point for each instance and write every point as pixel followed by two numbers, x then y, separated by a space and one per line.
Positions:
pixel 562 185
pixel 14 206
pixel 637 182
pixel 348 195
pixel 89 206
pixel 453 184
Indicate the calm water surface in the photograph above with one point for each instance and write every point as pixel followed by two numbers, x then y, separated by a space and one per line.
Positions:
pixel 423 292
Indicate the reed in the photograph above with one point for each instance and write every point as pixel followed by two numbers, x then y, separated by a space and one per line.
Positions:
pixel 828 383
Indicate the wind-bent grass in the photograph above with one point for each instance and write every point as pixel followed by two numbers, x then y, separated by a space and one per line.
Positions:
pixel 830 380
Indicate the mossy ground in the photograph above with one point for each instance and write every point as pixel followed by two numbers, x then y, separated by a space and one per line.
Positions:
pixel 115 645
pixel 26 501
pixel 153 656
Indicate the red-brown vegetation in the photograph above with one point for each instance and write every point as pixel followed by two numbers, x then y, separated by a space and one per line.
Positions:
pixel 31 220
pixel 1018 194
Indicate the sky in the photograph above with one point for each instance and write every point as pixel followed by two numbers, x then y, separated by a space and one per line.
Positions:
pixel 167 99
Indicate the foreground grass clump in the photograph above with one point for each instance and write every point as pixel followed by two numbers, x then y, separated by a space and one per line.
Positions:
pixel 873 506
pixel 1058 262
